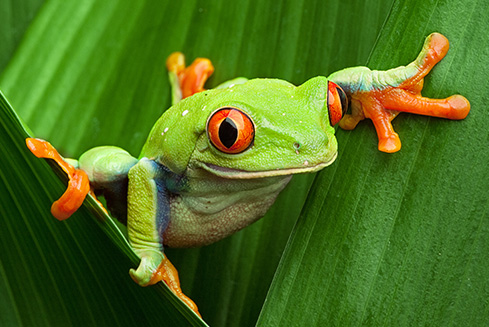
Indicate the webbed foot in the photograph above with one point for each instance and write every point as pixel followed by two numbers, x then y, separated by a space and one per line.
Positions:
pixel 381 95
pixel 78 185
pixel 155 267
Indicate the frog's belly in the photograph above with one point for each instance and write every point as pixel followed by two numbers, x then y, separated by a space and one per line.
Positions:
pixel 192 225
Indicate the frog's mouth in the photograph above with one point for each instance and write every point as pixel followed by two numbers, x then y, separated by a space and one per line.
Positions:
pixel 246 174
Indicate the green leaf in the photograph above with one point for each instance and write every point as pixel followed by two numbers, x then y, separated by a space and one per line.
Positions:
pixel 402 239
pixel 74 272
pixel 15 17
pixel 92 73
pixel 101 80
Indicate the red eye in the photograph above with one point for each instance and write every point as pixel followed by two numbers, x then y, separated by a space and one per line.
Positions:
pixel 337 103
pixel 230 130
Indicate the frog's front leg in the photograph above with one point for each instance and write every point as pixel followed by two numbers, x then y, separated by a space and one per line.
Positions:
pixel 381 95
pixel 148 218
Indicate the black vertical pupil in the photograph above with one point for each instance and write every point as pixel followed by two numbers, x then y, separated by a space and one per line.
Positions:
pixel 228 132
pixel 343 99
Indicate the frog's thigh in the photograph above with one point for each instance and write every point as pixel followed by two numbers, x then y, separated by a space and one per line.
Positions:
pixel 147 217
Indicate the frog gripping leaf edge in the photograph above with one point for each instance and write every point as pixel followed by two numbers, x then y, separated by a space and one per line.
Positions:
pixel 217 159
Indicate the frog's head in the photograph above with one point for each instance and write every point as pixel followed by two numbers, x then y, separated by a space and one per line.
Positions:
pixel 261 128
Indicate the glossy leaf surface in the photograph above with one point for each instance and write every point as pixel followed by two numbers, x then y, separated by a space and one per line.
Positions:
pixel 400 240
pixel 383 239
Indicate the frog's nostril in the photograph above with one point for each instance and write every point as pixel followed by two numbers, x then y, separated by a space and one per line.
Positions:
pixel 296 146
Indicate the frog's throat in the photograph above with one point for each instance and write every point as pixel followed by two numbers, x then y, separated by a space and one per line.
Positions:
pixel 246 174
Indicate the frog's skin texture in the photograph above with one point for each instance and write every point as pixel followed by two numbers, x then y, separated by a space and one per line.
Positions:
pixel 222 193
pixel 216 160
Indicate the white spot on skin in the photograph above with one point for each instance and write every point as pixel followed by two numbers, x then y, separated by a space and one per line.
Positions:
pixel 306 163
pixel 300 121
pixel 166 130
pixel 185 112
pixel 283 114
pixel 204 107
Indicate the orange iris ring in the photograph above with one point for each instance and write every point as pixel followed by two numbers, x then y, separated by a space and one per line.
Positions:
pixel 334 104
pixel 244 126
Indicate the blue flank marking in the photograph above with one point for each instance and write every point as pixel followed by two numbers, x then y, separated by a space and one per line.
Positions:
pixel 163 208
pixel 167 183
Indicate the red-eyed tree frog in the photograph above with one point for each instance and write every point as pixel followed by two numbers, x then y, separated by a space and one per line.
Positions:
pixel 216 160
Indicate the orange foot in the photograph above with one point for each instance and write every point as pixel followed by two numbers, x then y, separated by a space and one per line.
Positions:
pixel 78 185
pixel 399 90
pixel 169 274
pixel 191 79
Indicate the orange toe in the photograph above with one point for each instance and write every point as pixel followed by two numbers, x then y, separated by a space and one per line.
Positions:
pixel 169 274
pixel 438 47
pixel 192 78
pixel 72 199
pixel 175 62
pixel 459 105
pixel 78 184
pixel 390 144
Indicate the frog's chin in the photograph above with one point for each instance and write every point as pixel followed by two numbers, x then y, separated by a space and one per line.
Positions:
pixel 247 174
